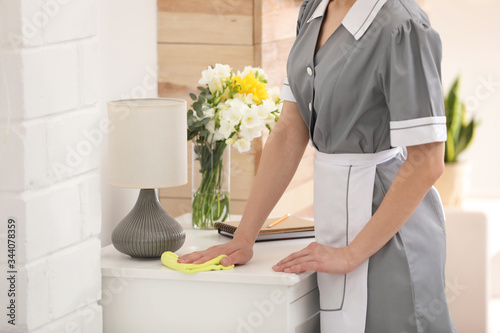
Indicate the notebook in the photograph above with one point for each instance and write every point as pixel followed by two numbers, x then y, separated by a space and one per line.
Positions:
pixel 291 228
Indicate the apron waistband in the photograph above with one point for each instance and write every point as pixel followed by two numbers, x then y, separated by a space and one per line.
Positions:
pixel 357 159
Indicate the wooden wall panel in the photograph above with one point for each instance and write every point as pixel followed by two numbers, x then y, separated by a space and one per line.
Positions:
pixel 206 21
pixel 182 64
pixel 279 19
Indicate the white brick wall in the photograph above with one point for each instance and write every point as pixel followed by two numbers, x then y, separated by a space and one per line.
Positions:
pixel 84 320
pixel 74 279
pixel 50 142
pixel 50 77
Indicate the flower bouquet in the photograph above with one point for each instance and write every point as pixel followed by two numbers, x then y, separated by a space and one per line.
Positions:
pixel 231 109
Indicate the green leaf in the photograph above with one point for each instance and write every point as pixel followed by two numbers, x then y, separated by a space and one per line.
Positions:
pixel 191 134
pixel 455 111
pixel 460 133
pixel 206 120
pixel 197 106
pixel 466 137
pixel 450 156
pixel 193 96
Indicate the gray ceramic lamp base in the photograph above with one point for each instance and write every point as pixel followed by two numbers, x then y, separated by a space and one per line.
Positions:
pixel 148 230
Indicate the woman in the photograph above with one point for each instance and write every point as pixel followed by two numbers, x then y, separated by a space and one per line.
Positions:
pixel 363 77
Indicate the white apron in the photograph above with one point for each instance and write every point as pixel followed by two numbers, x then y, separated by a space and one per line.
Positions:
pixel 343 193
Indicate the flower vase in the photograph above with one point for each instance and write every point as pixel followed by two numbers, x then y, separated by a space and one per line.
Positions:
pixel 211 180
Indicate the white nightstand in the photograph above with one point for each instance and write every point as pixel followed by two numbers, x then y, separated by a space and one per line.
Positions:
pixel 143 296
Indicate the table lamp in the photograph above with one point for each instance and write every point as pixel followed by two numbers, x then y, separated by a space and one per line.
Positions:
pixel 147 150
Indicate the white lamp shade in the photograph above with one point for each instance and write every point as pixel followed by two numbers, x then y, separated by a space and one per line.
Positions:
pixel 147 143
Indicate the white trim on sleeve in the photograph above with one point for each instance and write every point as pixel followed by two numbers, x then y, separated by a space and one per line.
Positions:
pixel 286 92
pixel 418 131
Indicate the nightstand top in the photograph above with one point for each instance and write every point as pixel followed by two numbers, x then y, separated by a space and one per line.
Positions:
pixel 257 271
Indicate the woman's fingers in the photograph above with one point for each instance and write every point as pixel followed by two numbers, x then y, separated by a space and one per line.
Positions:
pixel 191 257
pixel 297 261
pixel 304 252
pixel 315 257
pixel 302 267
pixel 201 257
pixel 236 254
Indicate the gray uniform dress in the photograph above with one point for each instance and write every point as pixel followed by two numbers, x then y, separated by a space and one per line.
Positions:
pixel 375 84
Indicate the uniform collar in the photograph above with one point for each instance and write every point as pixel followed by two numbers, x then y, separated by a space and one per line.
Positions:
pixel 358 19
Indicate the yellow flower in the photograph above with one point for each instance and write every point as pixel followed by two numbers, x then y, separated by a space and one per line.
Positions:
pixel 251 85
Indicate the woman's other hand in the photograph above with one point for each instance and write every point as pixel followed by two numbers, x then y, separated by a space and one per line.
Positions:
pixel 319 258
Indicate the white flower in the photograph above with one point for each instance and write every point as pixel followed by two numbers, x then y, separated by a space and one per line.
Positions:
pixel 214 135
pixel 222 72
pixel 222 107
pixel 235 111
pixel 250 133
pixel 245 98
pixel 215 77
pixel 262 110
pixel 274 94
pixel 209 112
pixel 257 72
pixel 210 126
pixel 226 128
pixel 243 145
pixel 250 118
pixel 207 76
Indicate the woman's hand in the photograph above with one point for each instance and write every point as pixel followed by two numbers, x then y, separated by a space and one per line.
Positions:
pixel 319 258
pixel 238 253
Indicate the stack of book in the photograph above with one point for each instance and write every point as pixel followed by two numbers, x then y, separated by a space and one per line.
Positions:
pixel 288 227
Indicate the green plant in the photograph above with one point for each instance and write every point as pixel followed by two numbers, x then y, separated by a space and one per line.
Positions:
pixel 460 131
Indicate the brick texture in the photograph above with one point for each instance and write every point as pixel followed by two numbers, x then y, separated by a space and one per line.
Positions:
pixel 49 163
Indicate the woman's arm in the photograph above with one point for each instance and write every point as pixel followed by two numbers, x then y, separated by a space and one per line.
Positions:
pixel 421 169
pixel 280 159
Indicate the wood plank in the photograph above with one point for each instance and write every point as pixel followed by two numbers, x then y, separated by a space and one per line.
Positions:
pixel 218 7
pixel 257 21
pixel 217 29
pixel 279 19
pixel 182 65
pixel 295 199
pixel 274 59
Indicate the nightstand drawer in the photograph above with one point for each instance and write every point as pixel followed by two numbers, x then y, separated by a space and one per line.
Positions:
pixel 304 312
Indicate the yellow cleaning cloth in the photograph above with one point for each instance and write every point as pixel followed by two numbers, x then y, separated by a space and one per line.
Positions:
pixel 169 259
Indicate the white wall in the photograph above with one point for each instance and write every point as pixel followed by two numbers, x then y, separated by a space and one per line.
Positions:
pixel 60 62
pixel 469 31
pixel 128 70
pixel 49 176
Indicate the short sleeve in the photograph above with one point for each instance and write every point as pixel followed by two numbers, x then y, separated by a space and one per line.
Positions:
pixel 412 85
pixel 286 92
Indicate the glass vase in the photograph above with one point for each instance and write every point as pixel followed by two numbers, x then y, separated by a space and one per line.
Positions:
pixel 211 181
